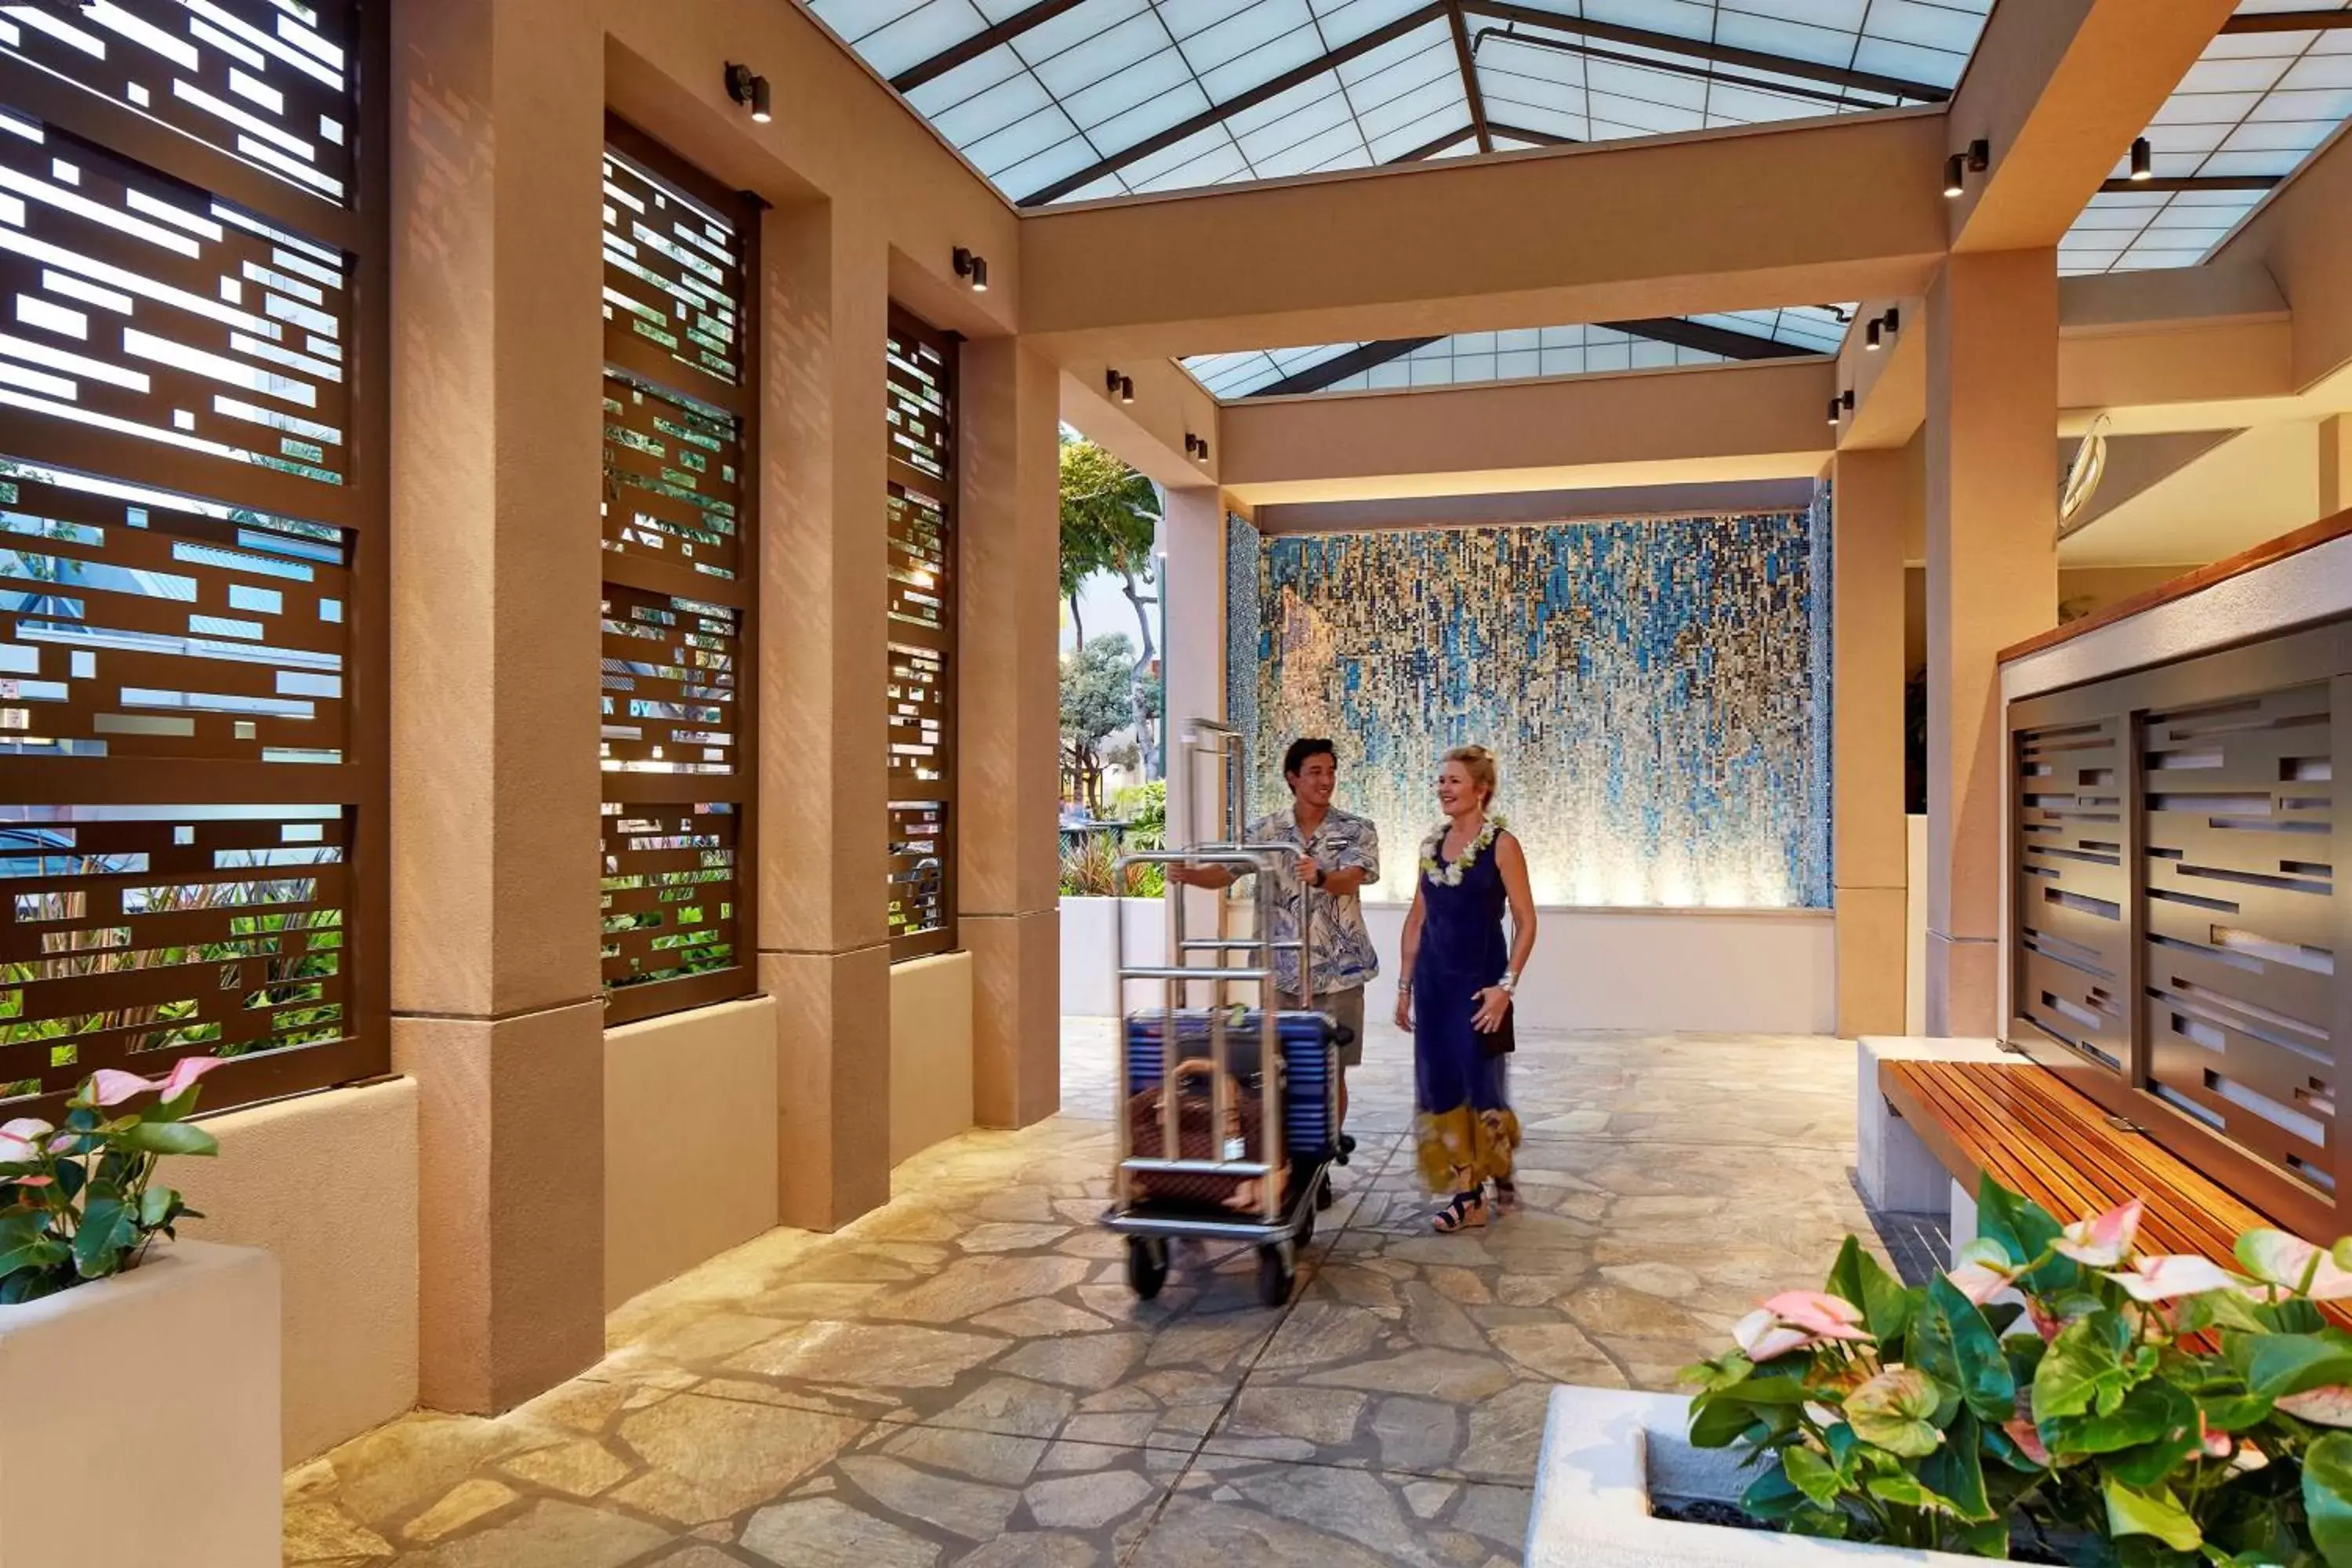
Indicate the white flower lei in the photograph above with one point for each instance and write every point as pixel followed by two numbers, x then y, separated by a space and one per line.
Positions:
pixel 1451 874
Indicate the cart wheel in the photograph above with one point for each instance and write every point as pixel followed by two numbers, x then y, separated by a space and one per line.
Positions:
pixel 1275 1274
pixel 1323 1193
pixel 1146 1265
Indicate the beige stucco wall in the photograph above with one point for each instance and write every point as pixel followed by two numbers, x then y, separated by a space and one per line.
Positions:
pixel 328 1183
pixel 690 1140
pixel 930 1051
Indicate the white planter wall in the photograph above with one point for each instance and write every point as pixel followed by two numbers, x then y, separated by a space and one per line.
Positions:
pixel 139 1419
pixel 1606 1452
pixel 1086 956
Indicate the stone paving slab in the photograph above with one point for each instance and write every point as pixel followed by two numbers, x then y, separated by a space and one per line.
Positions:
pixel 964 1380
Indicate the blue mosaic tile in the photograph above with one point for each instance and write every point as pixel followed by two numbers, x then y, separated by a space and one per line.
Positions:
pixel 1656 693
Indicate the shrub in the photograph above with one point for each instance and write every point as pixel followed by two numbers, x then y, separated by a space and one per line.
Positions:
pixel 2159 1410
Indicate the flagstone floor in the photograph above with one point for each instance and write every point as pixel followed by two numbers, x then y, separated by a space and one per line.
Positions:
pixel 963 1378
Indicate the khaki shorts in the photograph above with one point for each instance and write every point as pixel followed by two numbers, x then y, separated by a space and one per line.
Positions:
pixel 1346 1008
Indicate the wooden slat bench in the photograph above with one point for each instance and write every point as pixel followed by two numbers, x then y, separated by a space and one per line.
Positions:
pixel 2021 1124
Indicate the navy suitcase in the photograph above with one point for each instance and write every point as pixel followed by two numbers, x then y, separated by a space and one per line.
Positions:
pixel 1309 1062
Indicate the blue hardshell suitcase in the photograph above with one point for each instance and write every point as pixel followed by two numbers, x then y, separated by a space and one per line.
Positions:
pixel 1310 1059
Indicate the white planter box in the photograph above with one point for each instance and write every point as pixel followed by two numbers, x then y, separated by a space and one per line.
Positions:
pixel 1606 1452
pixel 1087 955
pixel 139 1417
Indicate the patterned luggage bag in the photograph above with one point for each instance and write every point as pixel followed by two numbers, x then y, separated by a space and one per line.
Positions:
pixel 1242 1138
pixel 1309 1067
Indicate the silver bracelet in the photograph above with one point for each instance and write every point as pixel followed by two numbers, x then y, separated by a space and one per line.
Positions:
pixel 1509 983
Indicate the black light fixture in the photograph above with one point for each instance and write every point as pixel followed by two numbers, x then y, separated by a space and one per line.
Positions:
pixel 1960 166
pixel 1894 319
pixel 749 90
pixel 2143 160
pixel 1845 400
pixel 1120 386
pixel 1196 447
pixel 1834 411
pixel 1869 336
pixel 1204 449
pixel 973 268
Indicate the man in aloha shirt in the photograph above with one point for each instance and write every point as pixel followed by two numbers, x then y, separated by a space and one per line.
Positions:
pixel 1342 854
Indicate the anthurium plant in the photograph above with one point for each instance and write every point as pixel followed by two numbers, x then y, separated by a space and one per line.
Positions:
pixel 2056 1387
pixel 80 1201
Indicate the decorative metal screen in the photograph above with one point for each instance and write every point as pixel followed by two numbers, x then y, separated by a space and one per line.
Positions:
pixel 922 728
pixel 193 623
pixel 679 583
pixel 2177 919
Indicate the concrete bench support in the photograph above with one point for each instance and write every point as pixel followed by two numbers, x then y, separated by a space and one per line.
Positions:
pixel 1895 1168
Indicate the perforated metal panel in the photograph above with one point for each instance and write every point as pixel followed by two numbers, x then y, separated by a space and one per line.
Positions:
pixel 922 597
pixel 192 701
pixel 680 583
pixel 2176 918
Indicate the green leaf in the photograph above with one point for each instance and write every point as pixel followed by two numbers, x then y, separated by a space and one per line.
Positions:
pixel 1893 1411
pixel 1955 1345
pixel 2279 1364
pixel 1774 1496
pixel 2084 1368
pixel 1719 1420
pixel 37 1253
pixel 2327 1497
pixel 2026 1230
pixel 170 1138
pixel 1812 1474
pixel 1886 1303
pixel 107 1229
pixel 1956 1470
pixel 2159 1514
pixel 2151 1412
pixel 155 1206
pixel 2233 1412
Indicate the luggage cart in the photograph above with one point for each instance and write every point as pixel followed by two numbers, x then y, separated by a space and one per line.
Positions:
pixel 1292 1056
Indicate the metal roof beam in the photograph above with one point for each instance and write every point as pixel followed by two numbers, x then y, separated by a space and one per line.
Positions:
pixel 2288 22
pixel 980 43
pixel 1434 146
pixel 1219 112
pixel 1699 48
pixel 1683 333
pixel 1540 138
pixel 1466 60
pixel 2196 181
pixel 1339 367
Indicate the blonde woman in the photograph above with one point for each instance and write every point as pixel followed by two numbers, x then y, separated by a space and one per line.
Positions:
pixel 1456 991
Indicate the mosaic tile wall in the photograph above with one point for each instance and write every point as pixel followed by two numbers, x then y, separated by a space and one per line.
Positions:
pixel 1242 567
pixel 1656 692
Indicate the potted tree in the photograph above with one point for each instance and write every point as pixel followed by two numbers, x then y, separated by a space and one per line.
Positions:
pixel 130 1370
pixel 2054 1398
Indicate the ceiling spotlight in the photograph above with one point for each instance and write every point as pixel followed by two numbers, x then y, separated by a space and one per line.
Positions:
pixel 1120 386
pixel 1955 174
pixel 972 267
pixel 1870 337
pixel 1979 155
pixel 1845 400
pixel 749 90
pixel 1894 319
pixel 1835 412
pixel 2143 160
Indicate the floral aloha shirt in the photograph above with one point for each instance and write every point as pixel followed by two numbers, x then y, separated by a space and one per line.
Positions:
pixel 1344 959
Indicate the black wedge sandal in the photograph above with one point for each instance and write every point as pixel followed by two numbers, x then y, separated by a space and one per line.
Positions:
pixel 1466 1212
pixel 1507 1195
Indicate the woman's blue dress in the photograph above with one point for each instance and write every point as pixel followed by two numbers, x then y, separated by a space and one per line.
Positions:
pixel 1465 1120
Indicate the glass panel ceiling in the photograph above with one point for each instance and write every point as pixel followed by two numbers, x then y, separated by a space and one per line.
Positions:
pixel 2254 106
pixel 1101 98
pixel 1473 357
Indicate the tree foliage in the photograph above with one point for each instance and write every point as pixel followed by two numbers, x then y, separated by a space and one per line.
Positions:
pixel 1097 699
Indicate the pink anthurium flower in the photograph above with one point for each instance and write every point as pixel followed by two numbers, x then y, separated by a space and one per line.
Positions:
pixel 1980 1282
pixel 2028 1438
pixel 1762 1338
pixel 110 1087
pixel 29 1129
pixel 2103 1240
pixel 2167 1279
pixel 2218 1445
pixel 1819 1314
pixel 2330 1406
pixel 15 1151
pixel 2291 1263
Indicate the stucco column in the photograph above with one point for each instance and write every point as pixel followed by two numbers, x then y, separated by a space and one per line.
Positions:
pixel 1008 727
pixel 1993 579
pixel 1193 596
pixel 496 563
pixel 823 674
pixel 1868 836
pixel 2335 464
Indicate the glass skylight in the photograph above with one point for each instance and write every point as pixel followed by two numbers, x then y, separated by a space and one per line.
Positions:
pixel 2252 109
pixel 1102 97
pixel 1468 358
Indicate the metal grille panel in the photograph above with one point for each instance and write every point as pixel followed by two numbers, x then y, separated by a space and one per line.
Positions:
pixel 2073 944
pixel 680 582
pixel 266 83
pixel 148 310
pixel 2241 918
pixel 920 518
